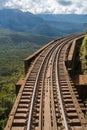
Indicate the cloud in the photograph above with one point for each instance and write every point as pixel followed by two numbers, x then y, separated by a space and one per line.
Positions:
pixel 64 2
pixel 34 6
pixel 2 3
pixel 48 6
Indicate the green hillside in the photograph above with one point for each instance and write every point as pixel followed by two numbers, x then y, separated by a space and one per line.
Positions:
pixel 14 47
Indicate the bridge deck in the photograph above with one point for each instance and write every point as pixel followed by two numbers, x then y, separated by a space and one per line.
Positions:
pixel 48 99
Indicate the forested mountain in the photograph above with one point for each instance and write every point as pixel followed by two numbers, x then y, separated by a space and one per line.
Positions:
pixel 43 24
pixel 70 18
pixel 18 20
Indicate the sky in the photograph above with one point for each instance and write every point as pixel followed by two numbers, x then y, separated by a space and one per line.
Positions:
pixel 47 6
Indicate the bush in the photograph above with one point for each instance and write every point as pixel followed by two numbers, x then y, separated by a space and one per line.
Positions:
pixel 83 56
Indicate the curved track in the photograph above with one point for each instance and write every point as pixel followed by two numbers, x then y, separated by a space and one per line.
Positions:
pixel 46 100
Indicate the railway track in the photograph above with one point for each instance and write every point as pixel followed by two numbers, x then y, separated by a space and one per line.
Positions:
pixel 47 100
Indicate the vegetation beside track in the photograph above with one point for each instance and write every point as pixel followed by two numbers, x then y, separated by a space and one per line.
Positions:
pixel 83 56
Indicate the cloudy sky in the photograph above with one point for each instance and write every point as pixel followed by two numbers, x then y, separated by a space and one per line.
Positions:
pixel 47 6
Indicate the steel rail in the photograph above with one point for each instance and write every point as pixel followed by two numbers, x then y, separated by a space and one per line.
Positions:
pixel 57 78
pixel 33 96
pixel 59 91
pixel 54 58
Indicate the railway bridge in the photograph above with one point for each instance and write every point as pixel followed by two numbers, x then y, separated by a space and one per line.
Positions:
pixel 47 98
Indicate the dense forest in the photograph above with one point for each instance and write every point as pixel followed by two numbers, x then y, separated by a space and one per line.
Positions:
pixel 14 47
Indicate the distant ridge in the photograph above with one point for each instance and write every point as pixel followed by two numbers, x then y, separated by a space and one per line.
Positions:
pixel 41 24
pixel 71 18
